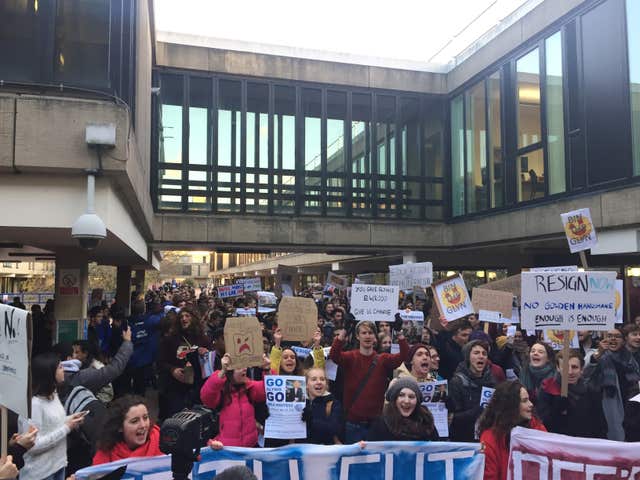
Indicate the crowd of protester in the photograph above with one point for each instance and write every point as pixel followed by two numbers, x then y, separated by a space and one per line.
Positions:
pixel 89 405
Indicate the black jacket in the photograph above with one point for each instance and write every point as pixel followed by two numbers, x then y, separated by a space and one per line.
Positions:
pixel 323 429
pixel 450 354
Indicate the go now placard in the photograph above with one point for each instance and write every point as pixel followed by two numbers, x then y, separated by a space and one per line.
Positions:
pixel 568 300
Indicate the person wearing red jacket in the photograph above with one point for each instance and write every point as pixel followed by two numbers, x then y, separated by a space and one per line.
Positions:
pixel 128 432
pixel 509 407
pixel 356 365
pixel 234 394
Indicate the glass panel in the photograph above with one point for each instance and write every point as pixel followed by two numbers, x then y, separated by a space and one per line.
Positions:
pixel 554 114
pixel 18 25
pixel 410 157
pixel 169 180
pixel 432 154
pixel 229 107
pixel 170 148
pixel 311 109
pixel 284 145
pixel 82 42
pixel 496 164
pixel 386 149
pixel 361 154
pixel 457 157
pixel 531 176
pixel 336 114
pixel 633 36
pixel 476 137
pixel 528 68
pixel 199 103
pixel 257 142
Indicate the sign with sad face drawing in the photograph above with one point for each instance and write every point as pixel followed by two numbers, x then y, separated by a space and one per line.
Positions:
pixel 243 341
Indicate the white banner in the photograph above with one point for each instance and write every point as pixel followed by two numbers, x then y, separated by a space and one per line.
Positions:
pixel 286 398
pixel 230 291
pixel 579 229
pixel 14 360
pixel 565 268
pixel 568 300
pixel 376 303
pixel 537 455
pixel 409 275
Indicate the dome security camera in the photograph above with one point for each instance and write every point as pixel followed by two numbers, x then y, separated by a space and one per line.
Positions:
pixel 89 230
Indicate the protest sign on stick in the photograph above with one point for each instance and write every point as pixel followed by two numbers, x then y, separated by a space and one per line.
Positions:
pixel 286 398
pixel 297 318
pixel 243 341
pixel 579 230
pixel 452 298
pixel 376 303
pixel 229 291
pixel 410 275
pixel 493 301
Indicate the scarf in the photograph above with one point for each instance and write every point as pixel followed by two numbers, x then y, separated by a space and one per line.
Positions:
pixel 470 380
pixel 531 377
pixel 120 450
pixel 622 369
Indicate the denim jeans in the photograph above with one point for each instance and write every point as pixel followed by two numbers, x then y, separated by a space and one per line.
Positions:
pixel 59 475
pixel 354 432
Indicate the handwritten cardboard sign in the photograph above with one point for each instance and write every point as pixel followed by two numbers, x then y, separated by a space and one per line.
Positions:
pixel 579 229
pixel 243 341
pixel 297 318
pixel 493 301
pixel 568 300
pixel 452 298
pixel 376 303
pixel 410 275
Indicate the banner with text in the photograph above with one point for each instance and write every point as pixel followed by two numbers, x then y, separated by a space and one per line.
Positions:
pixel 568 300
pixel 539 455
pixel 453 298
pixel 410 275
pixel 229 291
pixel 286 398
pixel 376 303
pixel 250 284
pixel 14 359
pixel 377 461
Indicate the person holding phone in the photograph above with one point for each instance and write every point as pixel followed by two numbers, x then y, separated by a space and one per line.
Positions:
pixel 47 459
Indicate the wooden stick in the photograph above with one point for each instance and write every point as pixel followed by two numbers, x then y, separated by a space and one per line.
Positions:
pixel 4 433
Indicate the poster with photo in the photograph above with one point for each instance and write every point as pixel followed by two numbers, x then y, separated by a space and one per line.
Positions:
pixel 286 398
pixel 437 391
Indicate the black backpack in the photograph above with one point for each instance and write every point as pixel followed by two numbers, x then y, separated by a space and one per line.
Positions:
pixel 82 399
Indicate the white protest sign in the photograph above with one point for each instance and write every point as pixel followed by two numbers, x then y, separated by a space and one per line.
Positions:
pixel 230 291
pixel 409 275
pixel 440 417
pixel 452 298
pixel 411 315
pixel 566 268
pixel 555 338
pixel 337 281
pixel 437 391
pixel 486 395
pixel 619 301
pixel 376 303
pixel 490 316
pixel 568 300
pixel 330 367
pixel 579 229
pixel 286 398
pixel 250 284
pixel 14 360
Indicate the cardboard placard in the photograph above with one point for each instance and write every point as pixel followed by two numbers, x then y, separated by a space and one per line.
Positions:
pixel 452 298
pixel 579 229
pixel 510 284
pixel 15 344
pixel 297 318
pixel 285 281
pixel 568 300
pixel 410 275
pixel 376 303
pixel 243 341
pixel 493 300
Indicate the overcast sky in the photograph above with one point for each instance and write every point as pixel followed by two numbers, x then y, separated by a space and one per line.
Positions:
pixel 412 30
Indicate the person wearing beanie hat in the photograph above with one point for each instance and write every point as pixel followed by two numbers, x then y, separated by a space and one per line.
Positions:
pixel 417 365
pixel 404 418
pixel 465 389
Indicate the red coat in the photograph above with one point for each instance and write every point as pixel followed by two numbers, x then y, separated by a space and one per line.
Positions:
pixel 496 452
pixel 237 419
pixel 121 450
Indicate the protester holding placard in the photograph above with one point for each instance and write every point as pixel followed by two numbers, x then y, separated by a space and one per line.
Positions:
pixel 465 389
pixel 403 417
pixel 580 413
pixel 234 395
pixel 449 345
pixel 540 366
pixel 323 412
pixel 509 407
pixel 511 352
pixel 285 361
pixel 367 373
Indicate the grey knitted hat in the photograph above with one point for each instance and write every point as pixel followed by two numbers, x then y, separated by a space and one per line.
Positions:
pixel 403 382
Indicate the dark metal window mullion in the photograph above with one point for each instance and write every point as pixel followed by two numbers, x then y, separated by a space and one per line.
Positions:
pixel 299 160
pixel 156 105
pixel 421 159
pixel 568 178
pixel 374 157
pixel 464 150
pixel 256 158
pixel 348 166
pixel 214 145
pixel 185 143
pixel 397 174
pixel 324 196
pixel 208 190
pixel 270 149
pixel 243 147
pixel 488 145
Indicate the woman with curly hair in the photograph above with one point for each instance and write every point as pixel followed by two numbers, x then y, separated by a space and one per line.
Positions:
pixel 128 432
pixel 403 417
pixel 509 407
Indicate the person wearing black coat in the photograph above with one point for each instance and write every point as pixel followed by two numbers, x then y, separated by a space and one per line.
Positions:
pixel 580 413
pixel 323 412
pixel 449 345
pixel 465 389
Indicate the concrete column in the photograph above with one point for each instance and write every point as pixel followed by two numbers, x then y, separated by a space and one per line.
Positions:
pixel 71 290
pixel 123 288
pixel 138 281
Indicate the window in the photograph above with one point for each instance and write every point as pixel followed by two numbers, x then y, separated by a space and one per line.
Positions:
pixel 361 129
pixel 199 176
pixel 457 156
pixel 311 110
pixel 476 139
pixel 410 165
pixel 432 153
pixel 284 146
pixel 496 163
pixel 229 149
pixel 19 22
pixel 528 71
pixel 336 155
pixel 633 42
pixel 384 187
pixel 257 148
pixel 555 113
pixel 170 142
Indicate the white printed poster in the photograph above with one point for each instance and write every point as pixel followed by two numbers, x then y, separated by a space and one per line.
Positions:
pixel 409 275
pixel 286 398
pixel 14 359
pixel 486 395
pixel 440 417
pixel 453 298
pixel 437 391
pixel 579 229
pixel 229 291
pixel 376 303
pixel 250 284
pixel 555 338
pixel 568 300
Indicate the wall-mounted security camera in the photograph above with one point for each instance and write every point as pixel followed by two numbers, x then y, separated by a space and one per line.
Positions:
pixel 89 230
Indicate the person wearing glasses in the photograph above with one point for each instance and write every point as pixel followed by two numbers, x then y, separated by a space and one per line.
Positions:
pixel 614 371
